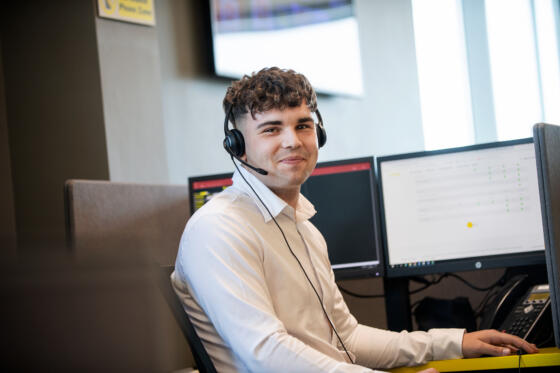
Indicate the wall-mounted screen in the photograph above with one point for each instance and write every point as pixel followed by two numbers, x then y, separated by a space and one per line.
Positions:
pixel 316 38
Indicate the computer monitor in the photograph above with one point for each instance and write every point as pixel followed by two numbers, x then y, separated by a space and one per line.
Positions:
pixel 461 209
pixel 344 195
pixel 202 188
pixel 547 151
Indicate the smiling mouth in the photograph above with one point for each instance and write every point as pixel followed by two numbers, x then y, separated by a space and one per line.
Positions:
pixel 292 160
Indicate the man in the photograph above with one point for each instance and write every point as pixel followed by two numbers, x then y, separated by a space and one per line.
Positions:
pixel 253 273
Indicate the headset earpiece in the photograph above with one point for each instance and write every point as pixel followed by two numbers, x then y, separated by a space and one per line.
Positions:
pixel 234 143
pixel 321 133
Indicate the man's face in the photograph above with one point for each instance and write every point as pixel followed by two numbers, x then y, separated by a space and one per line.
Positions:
pixel 282 142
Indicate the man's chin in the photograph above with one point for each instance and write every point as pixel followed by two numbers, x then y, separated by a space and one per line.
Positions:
pixel 296 180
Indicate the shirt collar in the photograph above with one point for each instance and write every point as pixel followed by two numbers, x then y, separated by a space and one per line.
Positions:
pixel 276 205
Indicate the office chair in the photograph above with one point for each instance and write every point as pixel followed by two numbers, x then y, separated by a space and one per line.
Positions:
pixel 203 362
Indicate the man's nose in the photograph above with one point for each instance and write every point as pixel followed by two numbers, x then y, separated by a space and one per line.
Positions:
pixel 291 138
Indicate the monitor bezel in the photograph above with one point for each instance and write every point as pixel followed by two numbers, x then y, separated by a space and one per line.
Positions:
pixel 451 265
pixel 377 270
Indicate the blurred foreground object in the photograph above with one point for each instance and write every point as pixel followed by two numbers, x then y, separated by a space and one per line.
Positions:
pixel 61 316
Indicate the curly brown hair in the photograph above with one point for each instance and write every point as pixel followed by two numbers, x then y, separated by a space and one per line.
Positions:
pixel 270 88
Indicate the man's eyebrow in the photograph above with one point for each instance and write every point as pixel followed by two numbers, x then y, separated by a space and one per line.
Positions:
pixel 305 119
pixel 279 122
pixel 270 123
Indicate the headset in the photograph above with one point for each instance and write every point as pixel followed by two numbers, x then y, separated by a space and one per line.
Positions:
pixel 234 144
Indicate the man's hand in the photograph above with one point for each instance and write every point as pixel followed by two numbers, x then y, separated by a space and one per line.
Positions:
pixel 494 343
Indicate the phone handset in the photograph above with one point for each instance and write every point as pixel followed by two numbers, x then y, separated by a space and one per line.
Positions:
pixel 505 301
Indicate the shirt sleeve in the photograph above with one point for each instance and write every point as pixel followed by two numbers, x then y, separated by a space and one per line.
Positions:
pixel 386 349
pixel 221 261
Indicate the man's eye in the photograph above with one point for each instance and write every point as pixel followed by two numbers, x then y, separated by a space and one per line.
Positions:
pixel 270 129
pixel 304 126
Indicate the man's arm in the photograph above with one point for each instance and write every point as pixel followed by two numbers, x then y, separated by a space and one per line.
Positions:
pixel 386 349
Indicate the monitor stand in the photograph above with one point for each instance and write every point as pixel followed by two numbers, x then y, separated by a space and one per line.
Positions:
pixel 397 304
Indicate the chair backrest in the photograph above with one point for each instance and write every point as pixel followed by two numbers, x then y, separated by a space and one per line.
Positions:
pixel 106 217
pixel 203 361
pixel 115 222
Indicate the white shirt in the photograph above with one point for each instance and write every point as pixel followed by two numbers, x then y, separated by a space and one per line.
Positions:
pixel 252 306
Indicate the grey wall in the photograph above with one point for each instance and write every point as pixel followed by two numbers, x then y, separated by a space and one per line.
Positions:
pixel 132 109
pixel 385 120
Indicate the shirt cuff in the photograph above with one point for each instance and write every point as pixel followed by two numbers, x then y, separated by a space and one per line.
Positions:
pixel 447 343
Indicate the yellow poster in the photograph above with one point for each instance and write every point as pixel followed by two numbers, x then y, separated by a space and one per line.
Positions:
pixel 135 11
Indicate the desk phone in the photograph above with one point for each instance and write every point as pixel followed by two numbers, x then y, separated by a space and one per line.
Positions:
pixel 527 313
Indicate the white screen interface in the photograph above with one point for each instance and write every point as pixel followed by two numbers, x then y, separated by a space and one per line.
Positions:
pixel 468 204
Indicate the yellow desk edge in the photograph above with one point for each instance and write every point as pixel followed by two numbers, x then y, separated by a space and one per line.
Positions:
pixel 549 356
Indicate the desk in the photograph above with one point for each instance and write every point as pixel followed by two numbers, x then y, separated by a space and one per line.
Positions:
pixel 547 357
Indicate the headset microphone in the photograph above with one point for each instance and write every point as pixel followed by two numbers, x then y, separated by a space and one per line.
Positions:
pixel 259 170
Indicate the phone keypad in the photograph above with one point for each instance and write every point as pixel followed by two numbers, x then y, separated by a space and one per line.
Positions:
pixel 526 318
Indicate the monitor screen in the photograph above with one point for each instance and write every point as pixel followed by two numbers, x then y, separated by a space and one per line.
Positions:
pixel 344 196
pixel 460 209
pixel 202 188
pixel 316 38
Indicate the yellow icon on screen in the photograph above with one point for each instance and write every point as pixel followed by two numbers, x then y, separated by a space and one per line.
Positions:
pixel 469 224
